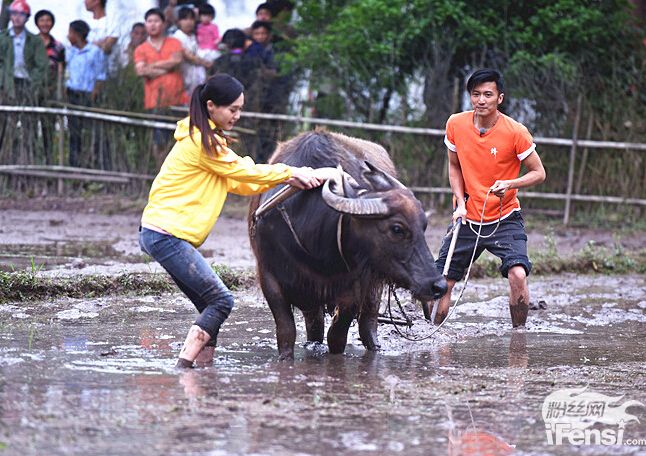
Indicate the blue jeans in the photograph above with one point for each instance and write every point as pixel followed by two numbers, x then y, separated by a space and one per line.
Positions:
pixel 193 276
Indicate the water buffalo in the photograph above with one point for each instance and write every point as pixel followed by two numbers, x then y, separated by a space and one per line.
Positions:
pixel 335 247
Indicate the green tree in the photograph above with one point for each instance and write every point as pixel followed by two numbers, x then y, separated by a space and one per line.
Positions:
pixel 363 52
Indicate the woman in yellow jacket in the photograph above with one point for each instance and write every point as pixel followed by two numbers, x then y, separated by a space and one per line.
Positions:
pixel 187 196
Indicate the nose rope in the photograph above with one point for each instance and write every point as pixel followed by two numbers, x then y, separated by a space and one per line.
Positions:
pixel 391 287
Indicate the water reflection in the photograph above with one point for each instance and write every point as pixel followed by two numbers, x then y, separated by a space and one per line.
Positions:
pixel 478 443
pixel 74 343
pixel 388 394
pixel 106 385
pixel 191 381
pixel 153 339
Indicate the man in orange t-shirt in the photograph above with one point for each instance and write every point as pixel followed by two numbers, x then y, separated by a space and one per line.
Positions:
pixel 157 60
pixel 486 149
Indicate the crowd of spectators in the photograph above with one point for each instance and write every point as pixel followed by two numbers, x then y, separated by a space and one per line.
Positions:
pixel 172 50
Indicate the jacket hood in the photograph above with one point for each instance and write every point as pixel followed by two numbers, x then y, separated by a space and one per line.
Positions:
pixel 181 131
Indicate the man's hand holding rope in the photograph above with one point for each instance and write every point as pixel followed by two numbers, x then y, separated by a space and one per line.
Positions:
pixel 500 187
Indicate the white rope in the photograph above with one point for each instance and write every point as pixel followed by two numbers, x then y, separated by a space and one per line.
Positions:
pixel 466 280
pixel 471 261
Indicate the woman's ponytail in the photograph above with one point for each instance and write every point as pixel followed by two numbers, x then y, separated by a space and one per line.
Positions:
pixel 199 118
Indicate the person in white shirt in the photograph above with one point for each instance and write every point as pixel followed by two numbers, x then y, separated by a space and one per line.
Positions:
pixel 104 32
pixel 193 68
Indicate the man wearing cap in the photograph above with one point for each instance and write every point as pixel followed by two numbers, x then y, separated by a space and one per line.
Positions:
pixel 23 58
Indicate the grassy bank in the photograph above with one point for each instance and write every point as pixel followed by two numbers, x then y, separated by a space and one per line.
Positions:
pixel 591 259
pixel 32 285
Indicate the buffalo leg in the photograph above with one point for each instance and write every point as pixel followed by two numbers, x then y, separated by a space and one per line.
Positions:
pixel 337 335
pixel 314 325
pixel 368 325
pixel 283 316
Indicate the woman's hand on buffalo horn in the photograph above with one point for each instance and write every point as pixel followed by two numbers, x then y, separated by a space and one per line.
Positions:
pixel 306 177
pixel 327 173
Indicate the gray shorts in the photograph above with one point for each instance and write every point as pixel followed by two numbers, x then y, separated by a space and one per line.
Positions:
pixel 509 244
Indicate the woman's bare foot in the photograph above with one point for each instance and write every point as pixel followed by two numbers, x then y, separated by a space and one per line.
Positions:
pixel 205 357
pixel 184 364
pixel 195 341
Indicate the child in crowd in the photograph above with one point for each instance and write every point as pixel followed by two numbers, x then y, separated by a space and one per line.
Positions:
pixel 208 34
pixel 264 12
pixel 261 43
pixel 193 68
pixel 87 70
pixel 137 37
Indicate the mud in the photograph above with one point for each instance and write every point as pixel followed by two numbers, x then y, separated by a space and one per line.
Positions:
pixel 99 235
pixel 96 376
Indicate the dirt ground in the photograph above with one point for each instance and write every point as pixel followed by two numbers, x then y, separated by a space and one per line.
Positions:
pixel 95 375
pixel 109 225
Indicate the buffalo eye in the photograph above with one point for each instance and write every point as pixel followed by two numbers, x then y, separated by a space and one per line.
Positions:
pixel 398 230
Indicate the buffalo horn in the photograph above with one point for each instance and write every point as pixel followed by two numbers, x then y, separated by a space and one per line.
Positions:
pixel 353 206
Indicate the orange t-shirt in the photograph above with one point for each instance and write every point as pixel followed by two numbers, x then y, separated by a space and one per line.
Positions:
pixel 484 159
pixel 168 89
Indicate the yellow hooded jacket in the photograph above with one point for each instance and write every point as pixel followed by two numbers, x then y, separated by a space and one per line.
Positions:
pixel 187 195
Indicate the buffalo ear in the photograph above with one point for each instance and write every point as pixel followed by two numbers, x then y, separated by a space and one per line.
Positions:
pixel 379 181
pixel 374 178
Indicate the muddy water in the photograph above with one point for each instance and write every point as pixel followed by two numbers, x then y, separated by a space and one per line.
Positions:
pixel 96 376
pixel 56 254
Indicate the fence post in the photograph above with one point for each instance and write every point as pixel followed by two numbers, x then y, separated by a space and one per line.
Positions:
pixel 584 158
pixel 61 130
pixel 570 172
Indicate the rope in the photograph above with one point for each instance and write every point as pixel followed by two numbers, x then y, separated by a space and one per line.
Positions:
pixel 391 288
pixel 288 221
pixel 482 220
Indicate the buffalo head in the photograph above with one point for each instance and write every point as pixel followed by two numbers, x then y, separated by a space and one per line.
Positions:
pixel 387 224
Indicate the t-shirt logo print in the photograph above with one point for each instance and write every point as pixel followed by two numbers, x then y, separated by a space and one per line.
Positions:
pixel 494 151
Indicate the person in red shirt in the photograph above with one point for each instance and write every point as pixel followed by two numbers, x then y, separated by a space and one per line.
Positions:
pixel 486 149
pixel 157 60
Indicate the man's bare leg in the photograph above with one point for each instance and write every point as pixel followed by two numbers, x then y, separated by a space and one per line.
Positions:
pixel 195 341
pixel 443 304
pixel 518 296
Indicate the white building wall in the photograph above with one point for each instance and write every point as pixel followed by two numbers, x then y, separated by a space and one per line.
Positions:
pixel 229 13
